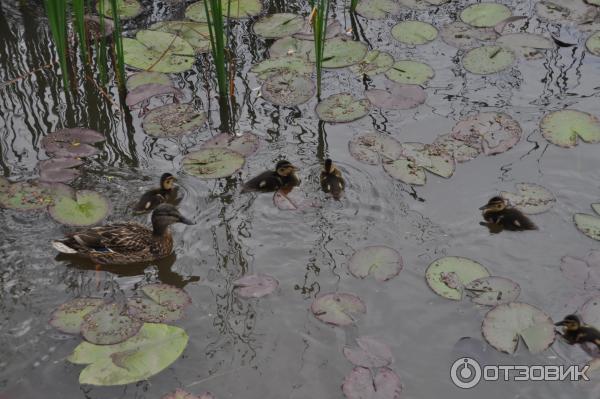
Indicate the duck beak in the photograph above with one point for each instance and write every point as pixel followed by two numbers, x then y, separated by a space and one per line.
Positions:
pixel 185 220
pixel 560 323
pixel 483 207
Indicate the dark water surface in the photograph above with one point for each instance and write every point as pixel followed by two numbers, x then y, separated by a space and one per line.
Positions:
pixel 274 347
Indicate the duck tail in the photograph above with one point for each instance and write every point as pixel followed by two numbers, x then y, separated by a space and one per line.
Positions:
pixel 63 248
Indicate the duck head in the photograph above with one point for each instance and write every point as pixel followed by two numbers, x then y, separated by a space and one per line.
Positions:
pixel 285 168
pixel 495 204
pixel 165 215
pixel 167 181
pixel 570 323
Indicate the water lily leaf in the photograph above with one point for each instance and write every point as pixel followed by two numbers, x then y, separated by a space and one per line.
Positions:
pixel 406 170
pixel 68 317
pixel 410 72
pixel 126 9
pixel 245 144
pixel 460 151
pixel 486 60
pixel 288 89
pixel 181 394
pixel 374 63
pixel 563 127
pixel 147 91
pixel 437 2
pixel 593 44
pixel 173 120
pixel 26 195
pixel 149 352
pixel 504 324
pixel 213 163
pixel 278 25
pixel 448 275
pixel 158 51
pixel 590 312
pixel 417 157
pixel 530 198
pixel 370 353
pixel 360 384
pixel 490 132
pixel 283 64
pixel 492 290
pixel 291 46
pixel 583 272
pixel 342 107
pixel 195 33
pixel 371 148
pixel 143 78
pixel 59 170
pixel 397 96
pixel 72 143
pixel 109 324
pixel 85 208
pixel 588 224
pixel 341 52
pixel 382 262
pixel 485 15
pixel 167 295
pixel 499 27
pixel 333 28
pixel 460 35
pixel 238 9
pixel 414 32
pixel 337 308
pixel 528 45
pixel 377 9
pixel 255 285
pixel 415 4
pixel 560 10
pixel 149 311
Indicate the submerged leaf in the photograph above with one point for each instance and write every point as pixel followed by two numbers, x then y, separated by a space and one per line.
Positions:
pixel 281 65
pixel 255 285
pixel 149 311
pixel 360 384
pixel 370 353
pixel 143 78
pixel 593 44
pixel 460 35
pixel 382 262
pixel 167 295
pixel 236 9
pixel 337 308
pixel 59 170
pixel 147 91
pixel 397 96
pixel 460 151
pixel 126 9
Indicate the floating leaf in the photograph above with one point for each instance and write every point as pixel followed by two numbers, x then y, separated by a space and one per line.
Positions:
pixel 288 89
pixel 410 72
pixel 588 224
pixel 492 290
pixel 126 9
pixel 485 15
pixel 530 198
pixel 377 9
pixel 109 324
pixel 397 96
pixel 26 195
pixel 415 4
pixel 340 52
pixel 460 151
pixel 195 33
pixel 237 9
pixel 333 28
pixel 406 170
pixel 291 46
pixel 282 65
pixel 560 10
pixel 173 120
pixel 158 52
pixel 490 132
pixel 149 311
pixel 382 262
pixel 255 285
pixel 278 25
pixel 337 308
pixel 584 272
pixel 84 208
pixel 486 60
pixel 143 78
pixel 147 91
pixel 370 353
pixel 499 27
pixel 417 157
pixel 213 163
pixel 181 394
pixel 504 324
pixel 374 63
pixel 563 127
pixel 360 384
pixel 371 148
pixel 59 170
pixel 245 144
pixel 593 44
pixel 448 275
pixel 167 295
pixel 72 143
pixel 342 107
pixel 68 317
pixel 463 36
pixel 149 352
pixel 414 32
pixel 590 312
pixel 527 45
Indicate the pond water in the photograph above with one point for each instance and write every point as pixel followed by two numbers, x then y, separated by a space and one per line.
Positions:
pixel 274 347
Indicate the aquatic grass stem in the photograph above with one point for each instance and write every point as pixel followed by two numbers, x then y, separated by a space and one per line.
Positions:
pixel 353 4
pixel 216 30
pixel 79 19
pixel 118 41
pixel 319 34
pixel 56 10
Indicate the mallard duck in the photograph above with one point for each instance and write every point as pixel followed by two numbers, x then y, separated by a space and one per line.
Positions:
pixel 575 332
pixel 332 180
pixel 167 192
pixel 283 177
pixel 124 243
pixel 499 215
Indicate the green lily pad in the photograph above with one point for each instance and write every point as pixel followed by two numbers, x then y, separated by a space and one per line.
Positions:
pixel 486 60
pixel 126 9
pixel 414 32
pixel 288 89
pixel 447 276
pixel 149 311
pixel 285 64
pixel 341 52
pixel 485 15
pixel 406 170
pixel 504 324
pixel 414 4
pixel 173 120
pixel 377 9
pixel 490 132
pixel 144 78
pixel 417 157
pixel 278 25
pixel 460 151
pixel 492 290
pixel 26 195
pixel 149 352
pixel 333 28
pixel 410 72
pixel 291 46
pixel 85 208
pixel 530 198
pixel 528 45
pixel 382 262
pixel 238 9
pixel 158 52
pixel 246 144
pixel 589 224
pixel 372 148
pixel 109 324
pixel 343 107
pixel 337 308
pixel 167 295
pixel 561 10
pixel 397 96
pixel 213 163
pixel 460 35
pixel 374 63
pixel 563 127
pixel 593 44
pixel 195 33
pixel 68 317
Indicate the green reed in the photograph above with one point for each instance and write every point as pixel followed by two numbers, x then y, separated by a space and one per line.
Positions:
pixel 78 7
pixel 118 40
pixel 218 38
pixel 319 33
pixel 353 4
pixel 56 11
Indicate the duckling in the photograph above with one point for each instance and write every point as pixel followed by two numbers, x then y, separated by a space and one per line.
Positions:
pixel 283 177
pixel 167 192
pixel 575 332
pixel 332 180
pixel 499 215
pixel 125 243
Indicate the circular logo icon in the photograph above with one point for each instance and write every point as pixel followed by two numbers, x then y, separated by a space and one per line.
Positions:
pixel 465 373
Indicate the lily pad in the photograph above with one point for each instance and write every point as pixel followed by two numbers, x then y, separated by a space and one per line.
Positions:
pixel 486 60
pixel 397 96
pixel 414 32
pixel 370 353
pixel 492 290
pixel 406 170
pixel 238 9
pixel 288 89
pixel 291 46
pixel 68 317
pixel 382 262
pixel 126 9
pixel 593 44
pixel 109 324
pixel 333 28
pixel 341 52
pixel 72 143
pixel 59 170
pixel 245 144
pixel 371 148
pixel 173 120
pixel 528 45
pixel 255 285
pixel 485 15
pixel 590 312
pixel 147 91
pixel 361 384
pixel 195 33
pixel 447 276
pixel 561 10
pixel 415 4
pixel 562 128
pixel 149 311
pixel 374 63
pixel 143 78
pixel 26 195
pixel 460 151
pixel 181 394
pixel 278 25
pixel 585 272
pixel 149 352
pixel 460 35
pixel 279 65
pixel 417 157
pixel 530 198
pixel 158 51
pixel 213 163
pixel 343 107
pixel 410 72
pixel 377 9
pixel 504 324
pixel 85 208
pixel 337 308
pixel 589 224
pixel 489 132
pixel 167 295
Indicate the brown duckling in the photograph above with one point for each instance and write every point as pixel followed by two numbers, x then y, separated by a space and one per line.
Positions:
pixel 575 332
pixel 167 192
pixel 332 180
pixel 499 215
pixel 283 177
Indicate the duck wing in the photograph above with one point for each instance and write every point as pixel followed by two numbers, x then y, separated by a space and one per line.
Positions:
pixel 119 237
pixel 266 181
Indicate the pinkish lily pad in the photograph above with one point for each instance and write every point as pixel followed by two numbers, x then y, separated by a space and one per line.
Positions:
pixel 460 151
pixel 151 312
pixel 29 195
pixel 255 285
pixel 167 295
pixel 397 96
pixel 337 308
pixel 460 35
pixel 288 89
pixel 149 90
pixel 68 317
pixel 360 384
pixel 59 170
pixel 245 144
pixel 109 324
pixel 492 290
pixel 341 108
pixel 72 143
pixel 372 147
pixel 489 132
pixel 382 262
pixel 173 120
pixel 181 394
pixel 370 353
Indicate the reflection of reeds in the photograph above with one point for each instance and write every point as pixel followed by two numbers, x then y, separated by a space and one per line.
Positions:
pixel 319 32
pixel 57 18
pixel 118 40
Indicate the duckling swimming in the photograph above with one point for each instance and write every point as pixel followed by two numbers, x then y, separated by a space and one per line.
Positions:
pixel 575 332
pixel 332 180
pixel 283 177
pixel 499 215
pixel 167 192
